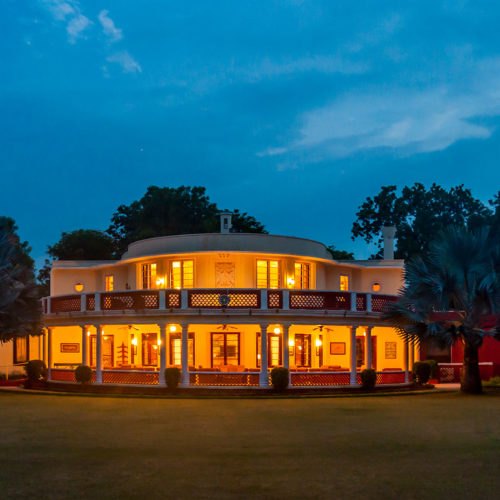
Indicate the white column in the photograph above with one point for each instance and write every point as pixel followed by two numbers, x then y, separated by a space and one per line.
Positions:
pixel 83 302
pixel 286 351
pixel 45 343
pixel 49 353
pixel 97 306
pixel 184 357
pixel 406 361
pixel 286 300
pixel 369 347
pixel 353 301
pixel 412 355
pixel 353 379
pixel 98 352
pixel 85 360
pixel 184 299
pixel 263 298
pixel 368 302
pixel 162 300
pixel 163 353
pixel 264 376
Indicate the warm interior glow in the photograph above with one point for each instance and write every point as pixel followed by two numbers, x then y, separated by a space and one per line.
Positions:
pixel 159 342
pixel 160 282
pixel 344 283
pixel 319 343
pixel 182 274
pixel 277 330
pixel 290 282
pixel 78 287
pixel 134 341
pixel 268 274
pixel 88 334
pixel 109 283
pixel 173 328
pixel 291 342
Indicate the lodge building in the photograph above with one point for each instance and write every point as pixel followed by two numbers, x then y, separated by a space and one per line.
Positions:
pixel 225 308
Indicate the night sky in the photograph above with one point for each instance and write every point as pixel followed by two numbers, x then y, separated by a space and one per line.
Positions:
pixel 294 111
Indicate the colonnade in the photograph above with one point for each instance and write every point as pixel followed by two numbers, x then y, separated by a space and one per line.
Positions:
pixel 182 329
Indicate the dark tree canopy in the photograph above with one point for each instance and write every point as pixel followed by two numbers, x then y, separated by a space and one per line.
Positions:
pixel 168 211
pixel 340 254
pixel 83 244
pixel 419 215
pixel 19 305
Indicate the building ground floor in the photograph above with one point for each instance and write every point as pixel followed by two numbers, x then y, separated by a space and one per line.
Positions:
pixel 229 354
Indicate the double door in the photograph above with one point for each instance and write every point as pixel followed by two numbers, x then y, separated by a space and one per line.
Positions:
pixel 302 350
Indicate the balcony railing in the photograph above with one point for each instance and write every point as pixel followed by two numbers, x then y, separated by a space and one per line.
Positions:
pixel 217 299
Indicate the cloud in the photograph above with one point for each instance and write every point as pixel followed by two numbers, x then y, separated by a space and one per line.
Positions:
pixel 320 63
pixel 68 11
pixel 406 120
pixel 76 25
pixel 126 61
pixel 108 27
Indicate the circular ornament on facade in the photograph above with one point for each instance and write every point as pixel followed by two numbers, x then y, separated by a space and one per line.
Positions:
pixel 376 287
pixel 78 287
pixel 224 299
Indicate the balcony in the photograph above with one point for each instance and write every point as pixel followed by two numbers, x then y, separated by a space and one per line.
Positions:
pixel 204 301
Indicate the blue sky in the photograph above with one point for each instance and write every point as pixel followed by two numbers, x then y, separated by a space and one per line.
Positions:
pixel 294 111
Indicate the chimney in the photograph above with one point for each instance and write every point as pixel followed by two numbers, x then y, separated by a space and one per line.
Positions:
pixel 225 222
pixel 388 233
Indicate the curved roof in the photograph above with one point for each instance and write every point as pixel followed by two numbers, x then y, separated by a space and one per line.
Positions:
pixel 232 242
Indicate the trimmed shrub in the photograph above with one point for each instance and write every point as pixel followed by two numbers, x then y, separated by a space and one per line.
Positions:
pixel 83 374
pixel 434 367
pixel 421 372
pixel 36 371
pixel 172 377
pixel 368 379
pixel 494 381
pixel 280 378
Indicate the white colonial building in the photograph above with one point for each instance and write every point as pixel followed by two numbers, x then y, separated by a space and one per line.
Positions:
pixel 225 308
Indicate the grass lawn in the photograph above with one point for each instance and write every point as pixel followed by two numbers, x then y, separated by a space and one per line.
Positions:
pixel 428 446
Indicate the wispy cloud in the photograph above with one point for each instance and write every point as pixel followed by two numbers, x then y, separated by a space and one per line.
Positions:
pixel 108 27
pixel 68 11
pixel 320 63
pixel 126 61
pixel 407 120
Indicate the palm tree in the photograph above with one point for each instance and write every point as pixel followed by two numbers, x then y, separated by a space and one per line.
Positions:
pixel 453 294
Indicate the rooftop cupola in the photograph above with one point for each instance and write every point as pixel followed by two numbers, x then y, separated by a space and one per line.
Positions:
pixel 225 222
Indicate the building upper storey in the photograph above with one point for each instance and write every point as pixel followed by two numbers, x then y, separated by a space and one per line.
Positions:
pixel 222 261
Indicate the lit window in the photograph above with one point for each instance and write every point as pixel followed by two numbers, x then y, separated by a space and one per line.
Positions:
pixel 21 349
pixel 176 349
pixel 148 276
pixel 78 287
pixel 344 283
pixel 109 283
pixel 268 274
pixel 376 287
pixel 182 274
pixel 302 276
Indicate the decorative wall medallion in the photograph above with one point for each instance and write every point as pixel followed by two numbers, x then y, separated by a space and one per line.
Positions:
pixel 224 299
pixel 225 275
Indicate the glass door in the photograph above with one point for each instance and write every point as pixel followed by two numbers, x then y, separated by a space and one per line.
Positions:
pixel 302 350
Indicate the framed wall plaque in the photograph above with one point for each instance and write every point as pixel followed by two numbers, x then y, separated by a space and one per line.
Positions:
pixel 390 350
pixel 70 348
pixel 337 348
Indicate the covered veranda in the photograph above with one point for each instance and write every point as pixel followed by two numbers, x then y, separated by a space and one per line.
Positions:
pixel 236 354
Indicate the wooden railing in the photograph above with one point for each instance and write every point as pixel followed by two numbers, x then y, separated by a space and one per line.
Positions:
pixel 140 300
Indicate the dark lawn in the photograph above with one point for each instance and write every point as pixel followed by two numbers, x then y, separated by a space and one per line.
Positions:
pixel 426 446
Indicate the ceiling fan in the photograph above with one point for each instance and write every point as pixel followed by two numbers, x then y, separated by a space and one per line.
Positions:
pixel 225 327
pixel 322 327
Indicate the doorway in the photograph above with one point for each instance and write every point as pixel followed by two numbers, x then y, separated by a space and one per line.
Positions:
pixel 302 350
pixel 107 351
